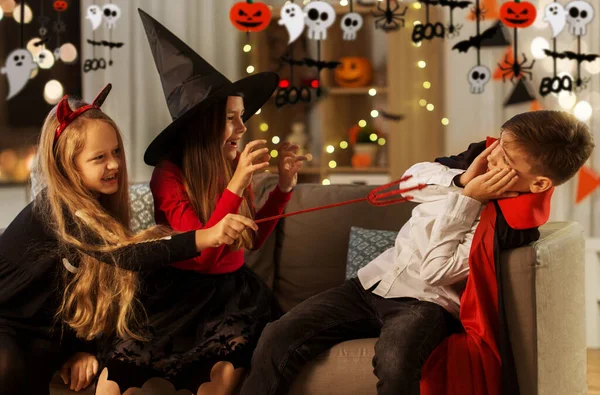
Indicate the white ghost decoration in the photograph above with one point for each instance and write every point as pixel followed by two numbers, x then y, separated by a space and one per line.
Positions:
pixel 94 14
pixel 556 16
pixel 351 23
pixel 111 14
pixel 18 67
pixel 579 14
pixel 478 76
pixel 292 17
pixel 319 16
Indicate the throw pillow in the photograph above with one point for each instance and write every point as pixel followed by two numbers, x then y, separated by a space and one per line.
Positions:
pixel 366 245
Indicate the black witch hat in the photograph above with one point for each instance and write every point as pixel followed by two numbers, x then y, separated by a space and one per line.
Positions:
pixel 191 84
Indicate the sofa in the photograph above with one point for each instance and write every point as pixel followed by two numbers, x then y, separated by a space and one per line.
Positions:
pixel 307 254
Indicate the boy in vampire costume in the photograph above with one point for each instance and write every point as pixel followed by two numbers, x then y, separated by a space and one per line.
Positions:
pixel 442 267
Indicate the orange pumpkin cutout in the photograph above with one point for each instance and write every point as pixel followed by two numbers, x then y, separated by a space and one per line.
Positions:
pixel 353 72
pixel 518 14
pixel 60 5
pixel 249 16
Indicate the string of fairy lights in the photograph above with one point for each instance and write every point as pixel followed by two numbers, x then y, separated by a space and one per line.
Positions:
pixel 329 148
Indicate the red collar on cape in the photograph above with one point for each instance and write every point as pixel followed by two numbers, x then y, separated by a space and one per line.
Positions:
pixel 525 211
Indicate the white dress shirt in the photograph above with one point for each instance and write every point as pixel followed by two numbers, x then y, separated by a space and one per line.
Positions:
pixel 430 259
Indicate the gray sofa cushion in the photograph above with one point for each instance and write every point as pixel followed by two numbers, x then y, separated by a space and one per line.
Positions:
pixel 366 245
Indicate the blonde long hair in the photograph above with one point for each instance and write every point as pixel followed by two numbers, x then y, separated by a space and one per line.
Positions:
pixel 100 298
pixel 207 172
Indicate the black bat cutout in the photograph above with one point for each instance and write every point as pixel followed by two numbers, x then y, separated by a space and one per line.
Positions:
pixel 320 64
pixel 475 41
pixel 455 4
pixel 581 57
pixel 41 42
pixel 104 43
pixel 554 54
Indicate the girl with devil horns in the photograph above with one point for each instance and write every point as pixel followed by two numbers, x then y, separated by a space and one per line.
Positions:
pixel 208 313
pixel 69 264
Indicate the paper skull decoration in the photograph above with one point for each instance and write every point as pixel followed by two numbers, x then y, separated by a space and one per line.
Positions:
pixel 319 17
pixel 60 5
pixel 353 72
pixel 250 16
pixel 518 14
pixel 478 77
pixel 111 14
pixel 579 15
pixel 351 24
pixel 292 17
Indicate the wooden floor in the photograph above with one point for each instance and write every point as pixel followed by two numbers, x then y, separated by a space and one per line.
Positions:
pixel 593 372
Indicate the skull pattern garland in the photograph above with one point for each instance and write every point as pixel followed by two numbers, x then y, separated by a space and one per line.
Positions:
pixel 108 15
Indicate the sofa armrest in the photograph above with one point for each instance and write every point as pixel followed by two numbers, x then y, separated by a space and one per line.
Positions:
pixel 545 306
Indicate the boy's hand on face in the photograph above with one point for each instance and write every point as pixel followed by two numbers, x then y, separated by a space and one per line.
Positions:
pixel 478 166
pixel 491 185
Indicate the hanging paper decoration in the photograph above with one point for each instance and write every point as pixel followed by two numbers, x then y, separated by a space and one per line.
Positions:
pixel 354 71
pixel 319 17
pixel 488 11
pixel 587 181
pixel 351 24
pixel 428 30
pixel 508 58
pixel 94 15
pixel 250 16
pixel 517 14
pixel 18 67
pixel 479 75
pixel 556 16
pixel 579 15
pixel 111 14
pixel 522 93
pixel 19 64
pixel 501 37
pixel 292 17
pixel 389 19
pixel 452 29
pixel 60 5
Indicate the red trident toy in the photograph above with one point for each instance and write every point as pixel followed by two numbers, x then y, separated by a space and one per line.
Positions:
pixel 377 197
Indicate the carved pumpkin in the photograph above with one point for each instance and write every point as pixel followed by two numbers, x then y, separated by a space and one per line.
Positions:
pixel 353 72
pixel 60 5
pixel 249 16
pixel 518 14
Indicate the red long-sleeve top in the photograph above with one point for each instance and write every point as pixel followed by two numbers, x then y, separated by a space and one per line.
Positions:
pixel 172 207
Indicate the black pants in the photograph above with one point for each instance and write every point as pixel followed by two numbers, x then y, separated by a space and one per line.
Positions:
pixel 27 364
pixel 408 331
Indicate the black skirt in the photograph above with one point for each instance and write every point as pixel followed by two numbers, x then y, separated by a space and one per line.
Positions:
pixel 194 321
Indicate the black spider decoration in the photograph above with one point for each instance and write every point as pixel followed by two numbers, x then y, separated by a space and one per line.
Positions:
pixel 389 19
pixel 515 69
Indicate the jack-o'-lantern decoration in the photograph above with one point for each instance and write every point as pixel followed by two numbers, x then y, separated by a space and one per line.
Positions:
pixel 518 14
pixel 249 16
pixel 60 5
pixel 353 72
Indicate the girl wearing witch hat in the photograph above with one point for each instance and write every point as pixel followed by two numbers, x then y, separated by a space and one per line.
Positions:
pixel 207 313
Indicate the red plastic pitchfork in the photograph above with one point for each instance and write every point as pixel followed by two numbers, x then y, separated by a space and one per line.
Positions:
pixel 377 197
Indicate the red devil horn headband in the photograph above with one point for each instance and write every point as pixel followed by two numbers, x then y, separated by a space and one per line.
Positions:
pixel 65 115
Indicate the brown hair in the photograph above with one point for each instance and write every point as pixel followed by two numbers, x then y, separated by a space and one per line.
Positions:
pixel 99 298
pixel 556 142
pixel 206 171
